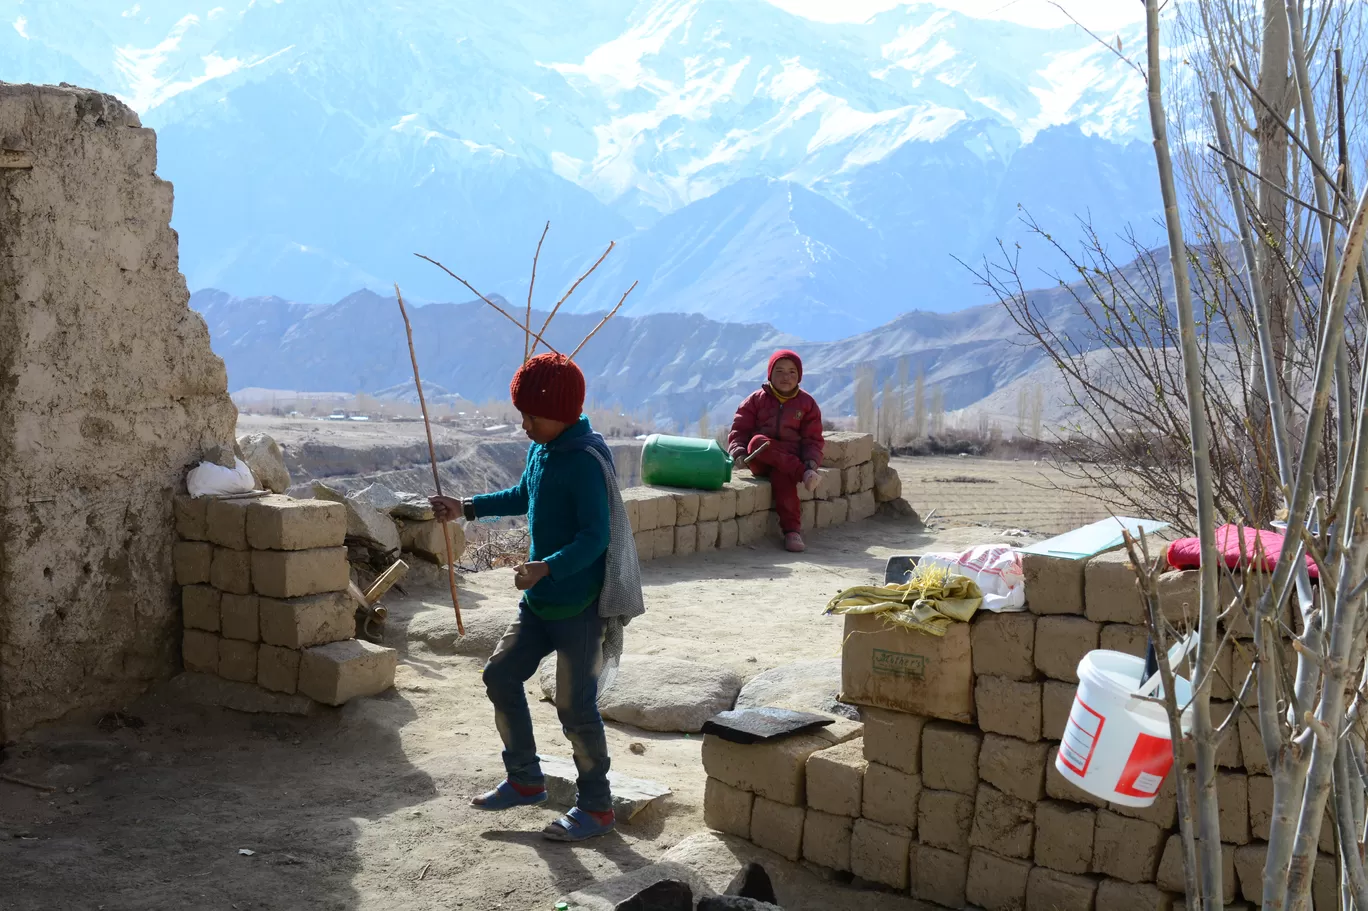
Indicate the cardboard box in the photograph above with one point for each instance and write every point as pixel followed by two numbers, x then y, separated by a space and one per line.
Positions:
pixel 887 666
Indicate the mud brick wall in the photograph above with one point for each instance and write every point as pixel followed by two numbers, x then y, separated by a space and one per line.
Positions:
pixel 976 815
pixel 264 594
pixel 108 392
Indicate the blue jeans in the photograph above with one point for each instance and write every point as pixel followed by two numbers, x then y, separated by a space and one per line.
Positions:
pixel 578 644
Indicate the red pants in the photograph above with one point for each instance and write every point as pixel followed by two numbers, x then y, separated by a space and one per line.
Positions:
pixel 785 473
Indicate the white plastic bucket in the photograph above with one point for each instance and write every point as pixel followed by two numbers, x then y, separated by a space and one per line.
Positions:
pixel 1117 746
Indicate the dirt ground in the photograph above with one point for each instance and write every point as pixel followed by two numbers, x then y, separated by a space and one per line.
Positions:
pixel 367 806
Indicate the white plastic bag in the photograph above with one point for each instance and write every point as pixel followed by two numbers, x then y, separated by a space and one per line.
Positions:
pixel 996 568
pixel 209 480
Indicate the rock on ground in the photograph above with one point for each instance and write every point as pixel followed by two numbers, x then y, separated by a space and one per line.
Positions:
pixel 484 627
pixel 425 539
pixel 630 795
pixel 804 686
pixel 660 694
pixel 364 521
pixel 262 454
pixel 899 509
pixel 607 894
pixel 887 485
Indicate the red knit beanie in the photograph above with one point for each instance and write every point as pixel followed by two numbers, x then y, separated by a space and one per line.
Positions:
pixel 549 386
pixel 781 355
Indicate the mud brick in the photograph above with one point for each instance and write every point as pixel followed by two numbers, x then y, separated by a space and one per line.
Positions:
pixel 777 769
pixel 857 449
pixel 709 533
pixel 238 618
pixel 826 840
pixel 278 668
pixel 1118 896
pixel 237 660
pixel 663 545
pixel 340 671
pixel 1051 890
pixel 950 756
pixel 1061 642
pixel 726 504
pixel 997 883
pixel 829 485
pixel 1056 701
pixel 841 731
pixel 745 497
pixel 939 876
pixel 805 495
pixel 226 522
pixel 752 528
pixel 686 506
pixel 292 573
pixel 304 622
pixel 894 739
pixel 709 505
pixel 1241 662
pixel 667 511
pixel 191 517
pixel 764 494
pixel 1064 836
pixel 1004 645
pixel 1125 638
pixel 200 607
pixel 728 534
pixel 1014 767
pixel 1170 877
pixel 835 779
pixel 633 510
pixel 832 512
pixel 1002 823
pixel 193 561
pixel 642 501
pixel 834 451
pixel 199 651
pixel 945 819
pixel 282 523
pixel 1060 788
pixel 645 545
pixel 1229 753
pixel 1325 884
pixel 727 809
pixel 862 506
pixel 685 540
pixel 809 515
pixel 1249 866
pixel 1163 812
pixel 880 853
pixel 850 480
pixel 1232 794
pixel 1126 849
pixel 1111 592
pixel 1008 707
pixel 778 827
pixel 890 796
pixel 1261 813
pixel 867 476
pixel 1054 585
pixel 232 570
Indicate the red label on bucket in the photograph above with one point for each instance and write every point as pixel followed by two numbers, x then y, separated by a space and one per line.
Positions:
pixel 1080 737
pixel 1148 764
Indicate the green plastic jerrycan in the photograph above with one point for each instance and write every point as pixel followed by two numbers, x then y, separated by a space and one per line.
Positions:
pixel 684 462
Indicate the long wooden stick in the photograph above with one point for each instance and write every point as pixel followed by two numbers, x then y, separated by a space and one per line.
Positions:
pixel 556 309
pixel 601 322
pixel 432 452
pixel 527 333
pixel 506 315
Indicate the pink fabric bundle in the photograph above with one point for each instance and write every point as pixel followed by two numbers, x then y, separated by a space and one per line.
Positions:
pixel 1186 553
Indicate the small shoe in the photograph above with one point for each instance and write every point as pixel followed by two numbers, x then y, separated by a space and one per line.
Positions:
pixel 793 543
pixel 577 825
pixel 506 797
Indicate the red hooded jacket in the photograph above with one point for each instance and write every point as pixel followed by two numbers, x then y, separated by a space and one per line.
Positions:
pixel 795 426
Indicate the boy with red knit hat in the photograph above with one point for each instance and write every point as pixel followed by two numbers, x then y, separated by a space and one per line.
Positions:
pixel 788 419
pixel 581 584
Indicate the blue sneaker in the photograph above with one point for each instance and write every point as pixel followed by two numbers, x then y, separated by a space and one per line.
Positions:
pixel 577 825
pixel 506 797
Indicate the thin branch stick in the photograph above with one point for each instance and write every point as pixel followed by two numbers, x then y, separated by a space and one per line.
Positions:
pixel 1290 197
pixel 432 453
pixel 506 315
pixel 1122 57
pixel 1286 127
pixel 27 784
pixel 610 315
pixel 566 296
pixel 527 333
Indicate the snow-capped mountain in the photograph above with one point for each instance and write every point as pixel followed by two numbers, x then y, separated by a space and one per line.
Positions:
pixel 752 164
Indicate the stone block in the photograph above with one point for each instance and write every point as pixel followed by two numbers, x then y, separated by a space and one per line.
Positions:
pixel 727 809
pixel 1111 593
pixel 1125 638
pixel 226 522
pixel 1061 642
pixel 945 819
pixel 1126 849
pixel 880 853
pixel 726 504
pixel 645 545
pixel 1051 890
pixel 709 534
pixel 728 534
pixel 1170 876
pixel 833 451
pixel 862 506
pixel 1232 796
pixel 238 618
pixel 1113 895
pixel 832 512
pixel 835 779
pixel 745 497
pixel 200 607
pixel 867 478
pixel 844 448
pixel 949 758
pixel 709 505
pixel 893 739
pixel 1249 865
pixel 752 528
pixel 1004 645
pixel 1060 788
pixel 1260 788
pixel 278 668
pixel 1163 812
pixel 191 517
pixel 809 514
pixel 939 876
pixel 1008 707
pixel 193 561
pixel 340 671
pixel 829 485
pixel 764 495
pixel 685 540
pixel 1002 823
pixel 1064 836
pixel 1054 585
pixel 686 506
pixel 641 504
pixel 778 827
pixel 826 840
pixel 666 509
pixel 776 770
pixel 850 480
pixel 199 651
pixel 293 573
pixel 890 796
pixel 997 883
pixel 282 523
pixel 232 570
pixel 1228 753
pixel 237 660
pixel 663 545
pixel 1056 701
pixel 307 621
pixel 1014 767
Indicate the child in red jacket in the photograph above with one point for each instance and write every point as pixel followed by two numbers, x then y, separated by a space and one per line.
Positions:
pixel 789 420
